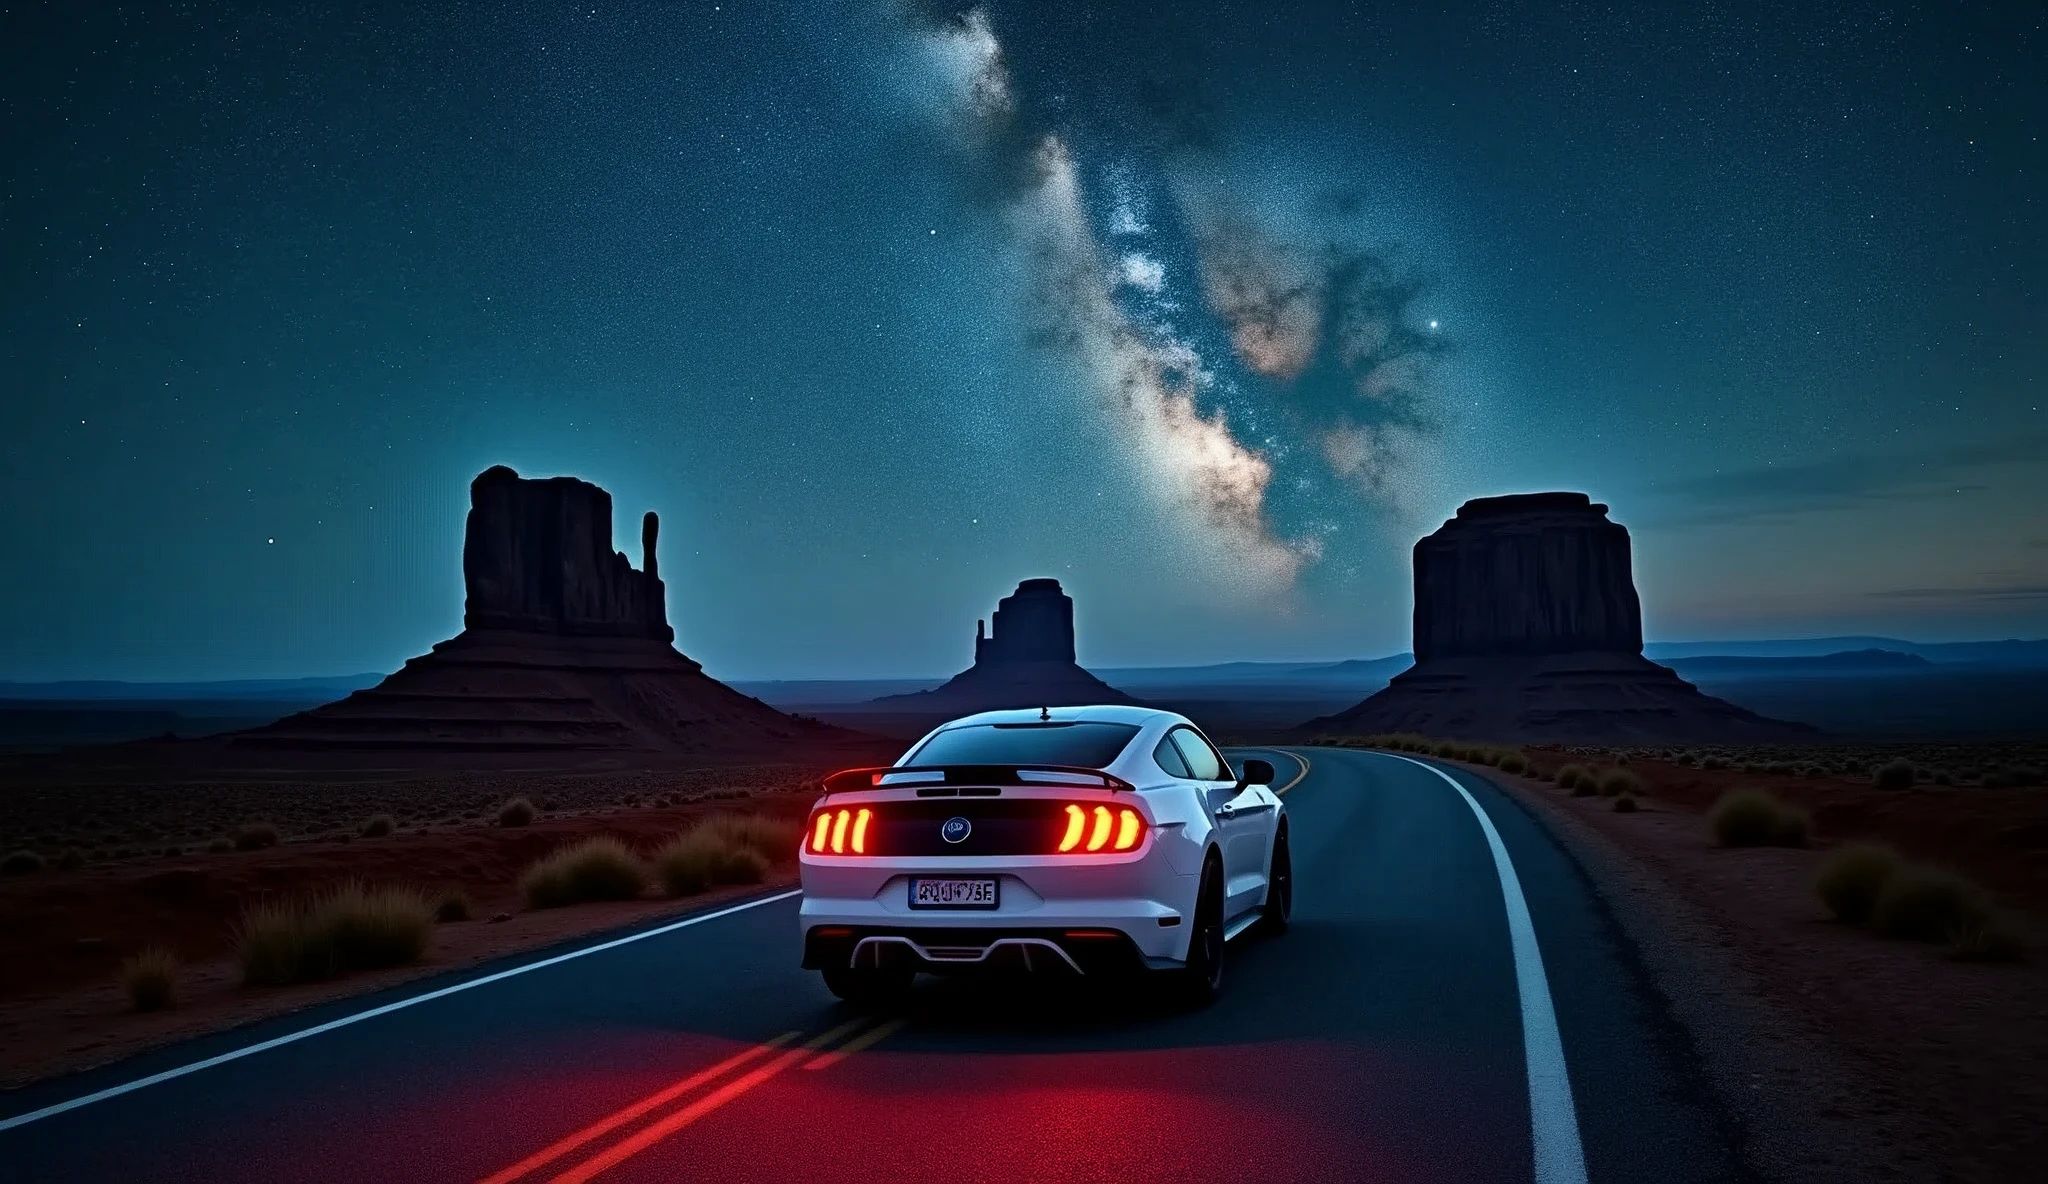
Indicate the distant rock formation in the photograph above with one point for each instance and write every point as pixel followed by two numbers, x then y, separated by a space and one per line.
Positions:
pixel 564 657
pixel 537 557
pixel 1528 628
pixel 1025 660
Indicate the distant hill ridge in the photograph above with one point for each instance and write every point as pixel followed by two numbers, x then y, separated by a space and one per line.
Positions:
pixel 1845 662
pixel 1838 653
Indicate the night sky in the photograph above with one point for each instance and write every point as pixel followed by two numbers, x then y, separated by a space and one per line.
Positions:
pixel 1206 310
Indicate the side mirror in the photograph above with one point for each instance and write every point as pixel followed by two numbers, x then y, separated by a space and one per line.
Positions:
pixel 1256 772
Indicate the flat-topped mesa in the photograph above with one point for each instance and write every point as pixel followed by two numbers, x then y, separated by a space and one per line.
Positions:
pixel 537 557
pixel 1533 573
pixel 1025 660
pixel 1033 624
pixel 565 658
pixel 1528 628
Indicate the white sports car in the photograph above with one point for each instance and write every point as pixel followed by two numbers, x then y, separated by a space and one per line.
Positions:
pixel 1090 840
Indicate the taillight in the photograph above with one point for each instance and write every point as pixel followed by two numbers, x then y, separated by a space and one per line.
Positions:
pixel 841 832
pixel 1102 829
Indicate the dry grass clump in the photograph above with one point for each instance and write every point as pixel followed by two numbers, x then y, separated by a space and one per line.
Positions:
pixel 1927 904
pixel 1578 779
pixel 1625 804
pixel 255 836
pixel 220 845
pixel 21 863
pixel 1897 775
pixel 1913 902
pixel 351 927
pixel 151 979
pixel 774 838
pixel 723 849
pixel 378 826
pixel 697 859
pixel 1853 878
pixel 594 869
pixel 1753 818
pixel 1512 762
pixel 453 905
pixel 515 812
pixel 1617 781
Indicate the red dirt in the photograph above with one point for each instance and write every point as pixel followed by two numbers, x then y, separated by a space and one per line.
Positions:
pixel 1997 836
pixel 1953 1056
pixel 65 933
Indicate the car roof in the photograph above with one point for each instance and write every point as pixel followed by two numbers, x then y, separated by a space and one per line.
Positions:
pixel 1107 713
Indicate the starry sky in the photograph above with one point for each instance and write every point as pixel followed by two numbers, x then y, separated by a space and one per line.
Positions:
pixel 1207 310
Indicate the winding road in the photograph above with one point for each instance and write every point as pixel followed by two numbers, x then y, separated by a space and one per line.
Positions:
pixel 1397 1033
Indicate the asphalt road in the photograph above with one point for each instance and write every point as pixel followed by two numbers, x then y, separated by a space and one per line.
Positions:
pixel 1383 1038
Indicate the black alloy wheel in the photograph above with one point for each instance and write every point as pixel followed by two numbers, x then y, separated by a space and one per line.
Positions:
pixel 1202 979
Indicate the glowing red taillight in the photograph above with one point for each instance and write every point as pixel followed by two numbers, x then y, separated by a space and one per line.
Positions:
pixel 1099 828
pixel 841 832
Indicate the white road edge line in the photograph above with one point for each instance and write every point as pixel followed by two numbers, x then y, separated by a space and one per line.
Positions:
pixel 386 1009
pixel 1553 1121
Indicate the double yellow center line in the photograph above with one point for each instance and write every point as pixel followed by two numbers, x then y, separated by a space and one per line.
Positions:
pixel 778 1060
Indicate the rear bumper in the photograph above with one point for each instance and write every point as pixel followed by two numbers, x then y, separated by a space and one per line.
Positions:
pixel 1093 951
pixel 1141 898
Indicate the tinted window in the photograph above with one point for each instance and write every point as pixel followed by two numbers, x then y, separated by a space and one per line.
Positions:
pixel 1203 763
pixel 1089 745
pixel 1167 757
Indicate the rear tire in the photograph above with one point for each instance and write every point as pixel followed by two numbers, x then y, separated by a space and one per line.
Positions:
pixel 869 987
pixel 1279 906
pixel 1201 980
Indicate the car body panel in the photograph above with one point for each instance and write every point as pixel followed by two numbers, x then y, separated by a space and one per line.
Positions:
pixel 1147 894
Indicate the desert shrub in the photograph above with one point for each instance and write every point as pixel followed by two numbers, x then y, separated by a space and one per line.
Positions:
pixel 71 860
pixel 221 844
pixel 453 905
pixel 594 869
pixel 774 838
pixel 1513 762
pixel 516 812
pixel 1443 750
pixel 1814 771
pixel 21 862
pixel 151 979
pixel 1853 879
pixel 1625 804
pixel 1929 904
pixel 1944 777
pixel 1686 758
pixel 697 859
pixel 346 928
pixel 1619 781
pixel 254 836
pixel 378 826
pixel 1569 776
pixel 2017 777
pixel 723 849
pixel 1896 775
pixel 1714 762
pixel 1753 818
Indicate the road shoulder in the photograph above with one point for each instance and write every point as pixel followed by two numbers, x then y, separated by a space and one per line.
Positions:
pixel 1801 1109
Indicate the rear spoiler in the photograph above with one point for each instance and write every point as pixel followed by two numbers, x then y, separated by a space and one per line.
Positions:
pixel 926 776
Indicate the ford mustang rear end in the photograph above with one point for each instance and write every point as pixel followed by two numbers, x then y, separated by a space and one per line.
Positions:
pixel 1090 864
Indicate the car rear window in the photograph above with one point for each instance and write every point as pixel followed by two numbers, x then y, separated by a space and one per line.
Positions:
pixel 1087 744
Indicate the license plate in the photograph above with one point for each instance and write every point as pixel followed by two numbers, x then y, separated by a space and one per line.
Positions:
pixel 953 894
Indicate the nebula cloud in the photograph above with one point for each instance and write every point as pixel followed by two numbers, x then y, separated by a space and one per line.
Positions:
pixel 1224 342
